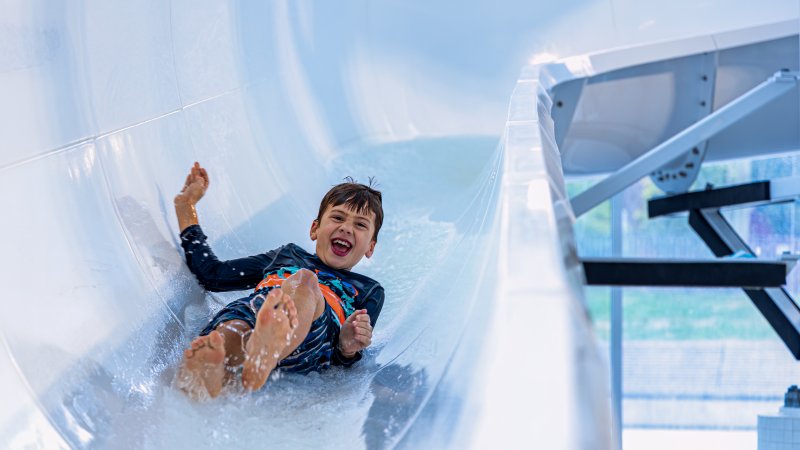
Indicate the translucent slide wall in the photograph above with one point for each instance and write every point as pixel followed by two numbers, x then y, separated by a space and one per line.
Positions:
pixel 483 340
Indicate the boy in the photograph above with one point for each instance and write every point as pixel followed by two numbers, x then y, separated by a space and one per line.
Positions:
pixel 306 312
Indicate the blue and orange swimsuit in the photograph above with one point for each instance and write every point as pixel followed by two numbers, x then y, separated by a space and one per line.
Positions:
pixel 344 293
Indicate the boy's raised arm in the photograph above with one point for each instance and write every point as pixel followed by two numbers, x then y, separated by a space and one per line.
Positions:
pixel 193 190
pixel 213 274
pixel 216 275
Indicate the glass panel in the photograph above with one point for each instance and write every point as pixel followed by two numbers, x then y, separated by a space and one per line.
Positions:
pixel 696 358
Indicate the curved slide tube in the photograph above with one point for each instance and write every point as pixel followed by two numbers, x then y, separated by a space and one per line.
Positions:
pixel 483 339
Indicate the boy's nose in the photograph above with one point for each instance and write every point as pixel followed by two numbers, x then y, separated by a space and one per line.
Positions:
pixel 346 227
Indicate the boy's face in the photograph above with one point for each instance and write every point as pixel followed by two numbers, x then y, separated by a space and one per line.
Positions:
pixel 344 236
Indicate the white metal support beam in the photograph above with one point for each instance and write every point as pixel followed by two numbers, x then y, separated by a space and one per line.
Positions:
pixel 777 85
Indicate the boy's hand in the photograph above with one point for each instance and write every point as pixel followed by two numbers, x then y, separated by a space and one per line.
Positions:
pixel 195 186
pixel 356 334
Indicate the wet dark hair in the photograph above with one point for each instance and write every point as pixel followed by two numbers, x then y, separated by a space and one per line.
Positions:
pixel 360 197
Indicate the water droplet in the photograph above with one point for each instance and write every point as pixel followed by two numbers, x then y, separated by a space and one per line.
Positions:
pixel 241 274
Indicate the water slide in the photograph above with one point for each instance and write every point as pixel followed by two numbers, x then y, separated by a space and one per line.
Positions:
pixel 484 339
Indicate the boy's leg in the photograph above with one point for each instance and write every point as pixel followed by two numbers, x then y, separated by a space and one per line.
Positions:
pixel 235 334
pixel 202 371
pixel 212 359
pixel 282 323
pixel 287 312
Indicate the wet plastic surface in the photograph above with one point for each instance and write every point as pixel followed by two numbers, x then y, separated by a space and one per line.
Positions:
pixel 483 339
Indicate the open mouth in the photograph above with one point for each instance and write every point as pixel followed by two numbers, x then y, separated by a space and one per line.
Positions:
pixel 340 247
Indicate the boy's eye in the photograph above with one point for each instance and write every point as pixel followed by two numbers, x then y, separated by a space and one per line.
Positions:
pixel 362 225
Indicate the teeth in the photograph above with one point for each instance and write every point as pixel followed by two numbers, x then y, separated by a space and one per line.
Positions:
pixel 341 242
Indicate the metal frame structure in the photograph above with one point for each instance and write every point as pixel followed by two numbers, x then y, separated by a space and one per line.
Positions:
pixel 762 281
pixel 777 85
pixel 774 87
pixel 705 218
pixel 775 304
pixel 684 273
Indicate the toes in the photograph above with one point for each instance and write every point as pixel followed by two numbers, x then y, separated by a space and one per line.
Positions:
pixel 273 299
pixel 291 312
pixel 215 339
pixel 289 302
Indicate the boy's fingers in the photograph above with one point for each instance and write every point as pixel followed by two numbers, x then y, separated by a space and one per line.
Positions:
pixel 358 317
pixel 366 333
pixel 357 329
pixel 363 318
pixel 362 331
pixel 197 172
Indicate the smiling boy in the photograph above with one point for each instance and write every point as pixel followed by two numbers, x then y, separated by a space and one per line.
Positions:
pixel 307 311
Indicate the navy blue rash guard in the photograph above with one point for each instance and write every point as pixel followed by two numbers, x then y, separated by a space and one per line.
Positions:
pixel 353 291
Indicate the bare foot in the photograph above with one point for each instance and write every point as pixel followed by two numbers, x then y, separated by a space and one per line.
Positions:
pixel 203 369
pixel 272 334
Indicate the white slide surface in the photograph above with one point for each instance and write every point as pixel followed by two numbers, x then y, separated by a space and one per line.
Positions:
pixel 483 339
